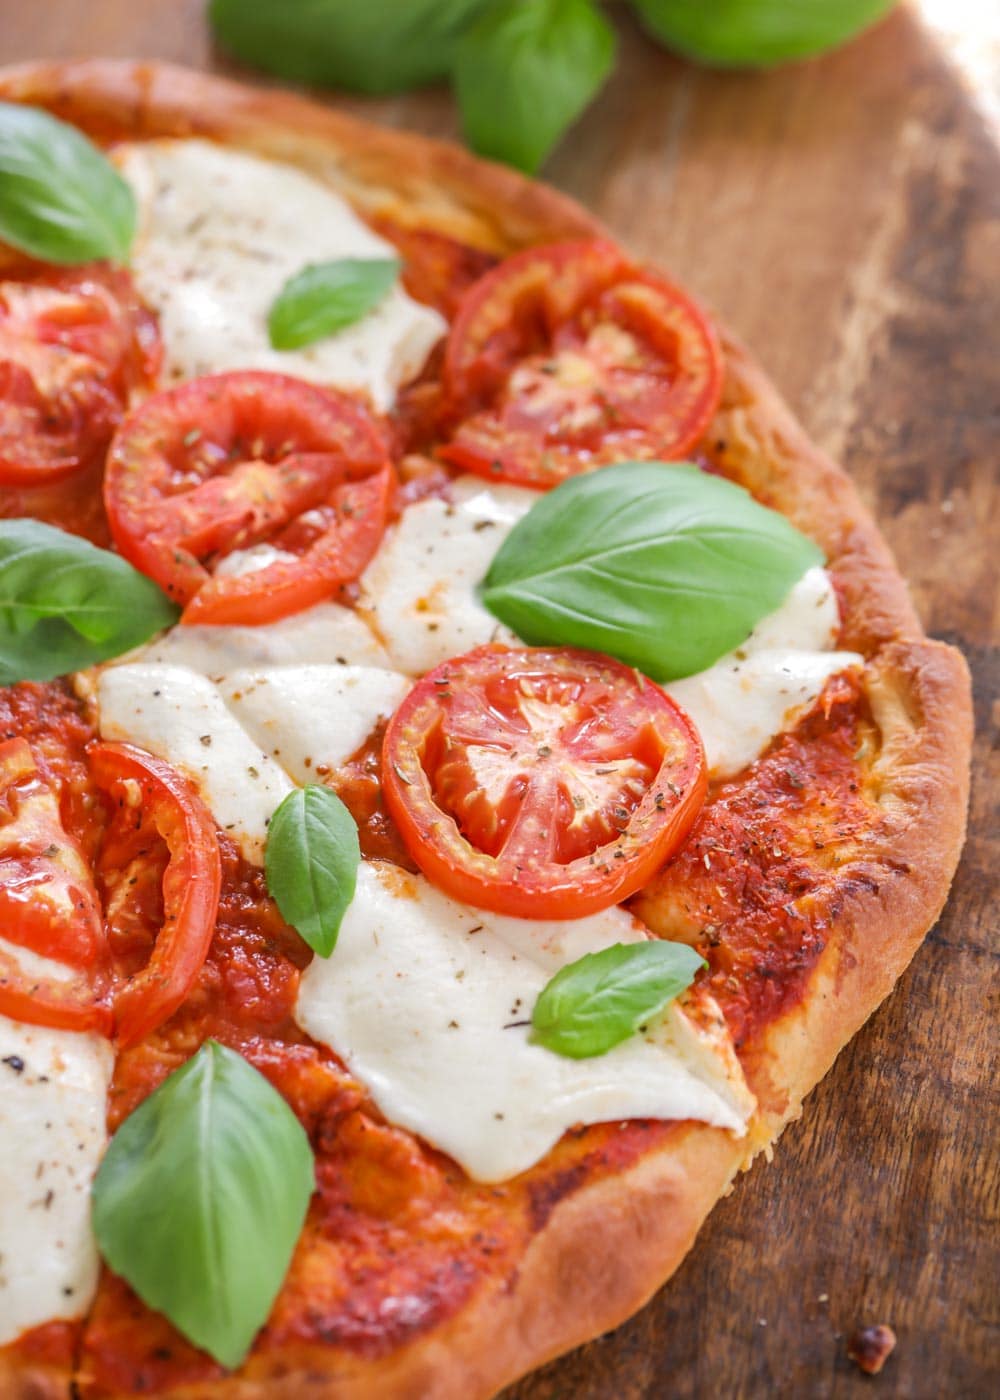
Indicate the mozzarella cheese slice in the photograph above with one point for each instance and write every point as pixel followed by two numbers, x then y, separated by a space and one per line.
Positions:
pixel 180 716
pixel 53 1092
pixel 757 691
pixel 326 634
pixel 53 1096
pixel 419 590
pixel 220 233
pixel 310 719
pixel 246 740
pixel 426 1001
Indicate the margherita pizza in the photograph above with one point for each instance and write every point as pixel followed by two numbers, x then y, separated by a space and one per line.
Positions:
pixel 467 763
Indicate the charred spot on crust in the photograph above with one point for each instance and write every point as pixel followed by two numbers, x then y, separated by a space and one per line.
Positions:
pixel 545 1195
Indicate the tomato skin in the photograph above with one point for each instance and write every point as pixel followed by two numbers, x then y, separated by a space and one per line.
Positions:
pixel 48 904
pixel 569 357
pixel 146 786
pixel 74 344
pixel 233 460
pixel 495 768
pixel 437 269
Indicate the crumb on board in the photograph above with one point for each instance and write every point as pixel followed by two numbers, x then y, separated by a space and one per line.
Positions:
pixel 869 1347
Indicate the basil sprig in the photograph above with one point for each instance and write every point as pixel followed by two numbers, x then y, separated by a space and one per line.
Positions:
pixel 326 297
pixel 311 864
pixel 65 604
pixel 661 565
pixel 200 1199
pixel 593 1004
pixel 60 198
pixel 523 73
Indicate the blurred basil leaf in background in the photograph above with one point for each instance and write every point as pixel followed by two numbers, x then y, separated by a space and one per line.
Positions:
pixel 756 33
pixel 522 70
pixel 373 46
pixel 525 70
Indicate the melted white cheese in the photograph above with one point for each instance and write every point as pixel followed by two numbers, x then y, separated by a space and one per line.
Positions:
pixel 220 233
pixel 419 590
pixel 247 737
pixel 311 718
pixel 248 561
pixel 326 634
pixel 422 999
pixel 180 716
pixel 53 1091
pixel 757 692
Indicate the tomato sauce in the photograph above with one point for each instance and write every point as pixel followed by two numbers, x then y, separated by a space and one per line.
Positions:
pixel 755 887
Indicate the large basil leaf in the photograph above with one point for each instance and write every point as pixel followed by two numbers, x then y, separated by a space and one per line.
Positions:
pixel 65 604
pixel 523 72
pixel 311 863
pixel 326 297
pixel 60 198
pixel 200 1199
pixel 756 33
pixel 366 45
pixel 593 1004
pixel 659 564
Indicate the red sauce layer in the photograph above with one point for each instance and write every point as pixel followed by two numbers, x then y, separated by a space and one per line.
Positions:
pixel 750 887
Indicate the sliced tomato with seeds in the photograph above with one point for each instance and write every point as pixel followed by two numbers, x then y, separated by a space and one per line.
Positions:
pixel 543 783
pixel 48 906
pixel 152 804
pixel 74 344
pixel 569 357
pixel 232 461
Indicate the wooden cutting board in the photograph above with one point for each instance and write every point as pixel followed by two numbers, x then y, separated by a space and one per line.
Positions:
pixel 843 216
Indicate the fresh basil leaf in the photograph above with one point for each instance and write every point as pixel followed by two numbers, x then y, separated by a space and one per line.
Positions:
pixel 65 604
pixel 311 863
pixel 380 46
pixel 60 198
pixel 201 1197
pixel 593 1004
pixel 326 297
pixel 524 71
pixel 756 33
pixel 659 564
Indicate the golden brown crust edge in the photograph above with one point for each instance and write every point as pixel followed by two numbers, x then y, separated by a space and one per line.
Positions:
pixel 919 693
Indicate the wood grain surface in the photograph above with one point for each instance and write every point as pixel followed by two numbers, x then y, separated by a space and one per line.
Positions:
pixel 843 216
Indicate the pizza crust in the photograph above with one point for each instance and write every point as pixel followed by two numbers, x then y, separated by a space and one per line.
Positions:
pixel 646 1217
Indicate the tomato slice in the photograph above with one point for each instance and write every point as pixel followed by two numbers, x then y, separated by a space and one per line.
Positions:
pixel 48 905
pixel 544 783
pixel 437 269
pixel 151 799
pixel 73 345
pixel 568 357
pixel 234 460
